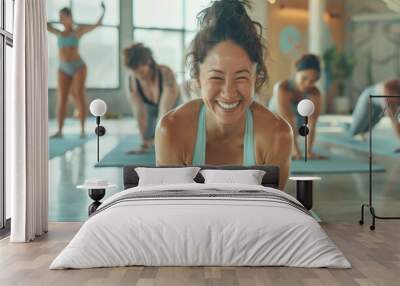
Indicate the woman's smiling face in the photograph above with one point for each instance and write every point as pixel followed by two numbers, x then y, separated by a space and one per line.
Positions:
pixel 227 81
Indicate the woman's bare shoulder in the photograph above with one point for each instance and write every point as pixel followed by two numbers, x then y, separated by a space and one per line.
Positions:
pixel 166 70
pixel 267 122
pixel 168 75
pixel 282 89
pixel 176 132
pixel 315 92
pixel 273 136
pixel 283 85
pixel 180 118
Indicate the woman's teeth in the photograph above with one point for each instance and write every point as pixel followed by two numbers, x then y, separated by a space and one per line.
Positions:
pixel 228 106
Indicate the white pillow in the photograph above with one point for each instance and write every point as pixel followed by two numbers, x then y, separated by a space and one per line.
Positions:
pixel 248 177
pixel 163 176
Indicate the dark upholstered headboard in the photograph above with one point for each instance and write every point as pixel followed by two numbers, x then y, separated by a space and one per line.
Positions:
pixel 270 179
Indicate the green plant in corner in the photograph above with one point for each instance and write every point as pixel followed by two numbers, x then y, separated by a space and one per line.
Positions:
pixel 339 67
pixel 370 75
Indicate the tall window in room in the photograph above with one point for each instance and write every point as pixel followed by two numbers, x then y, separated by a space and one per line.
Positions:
pixel 6 44
pixel 99 49
pixel 167 27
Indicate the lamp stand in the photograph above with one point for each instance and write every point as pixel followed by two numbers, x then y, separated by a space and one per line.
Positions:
pixel 100 131
pixel 369 205
pixel 305 139
pixel 303 131
pixel 98 136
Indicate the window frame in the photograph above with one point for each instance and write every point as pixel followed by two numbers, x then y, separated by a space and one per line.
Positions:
pixel 6 39
pixel 118 27
pixel 183 31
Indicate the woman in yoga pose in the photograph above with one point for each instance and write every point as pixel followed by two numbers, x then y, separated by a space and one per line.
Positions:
pixel 379 107
pixel 288 93
pixel 225 126
pixel 153 91
pixel 72 70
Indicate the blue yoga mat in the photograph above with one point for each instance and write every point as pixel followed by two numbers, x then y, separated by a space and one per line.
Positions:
pixel 117 157
pixel 58 146
pixel 384 142
pixel 334 164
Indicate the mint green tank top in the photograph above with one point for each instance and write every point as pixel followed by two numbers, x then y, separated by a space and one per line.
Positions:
pixel 70 40
pixel 199 156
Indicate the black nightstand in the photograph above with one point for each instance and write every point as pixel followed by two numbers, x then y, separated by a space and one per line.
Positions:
pixel 96 193
pixel 304 192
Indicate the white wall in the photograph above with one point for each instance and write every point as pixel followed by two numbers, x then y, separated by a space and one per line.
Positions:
pixel 259 13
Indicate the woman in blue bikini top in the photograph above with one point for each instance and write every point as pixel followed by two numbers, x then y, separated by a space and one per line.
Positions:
pixel 225 126
pixel 72 71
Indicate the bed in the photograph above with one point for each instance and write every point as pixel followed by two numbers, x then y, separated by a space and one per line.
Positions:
pixel 199 224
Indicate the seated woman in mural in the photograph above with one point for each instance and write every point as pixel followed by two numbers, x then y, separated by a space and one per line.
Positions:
pixel 72 71
pixel 379 107
pixel 225 126
pixel 288 93
pixel 153 91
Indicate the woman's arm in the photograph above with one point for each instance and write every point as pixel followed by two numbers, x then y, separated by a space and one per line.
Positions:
pixel 53 30
pixel 273 138
pixel 137 106
pixel 167 145
pixel 393 108
pixel 396 125
pixel 281 150
pixel 170 92
pixel 393 112
pixel 88 28
pixel 284 110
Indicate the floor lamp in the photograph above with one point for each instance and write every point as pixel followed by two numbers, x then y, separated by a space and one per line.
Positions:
pixel 369 205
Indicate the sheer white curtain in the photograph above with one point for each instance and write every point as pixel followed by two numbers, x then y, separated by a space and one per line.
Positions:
pixel 26 124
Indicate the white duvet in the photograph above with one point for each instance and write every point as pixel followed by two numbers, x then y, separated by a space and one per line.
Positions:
pixel 192 231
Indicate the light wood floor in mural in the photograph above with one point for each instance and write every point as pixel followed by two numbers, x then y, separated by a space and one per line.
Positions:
pixel 375 257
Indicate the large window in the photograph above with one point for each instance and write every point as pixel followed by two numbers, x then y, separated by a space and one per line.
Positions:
pixel 99 48
pixel 167 27
pixel 6 43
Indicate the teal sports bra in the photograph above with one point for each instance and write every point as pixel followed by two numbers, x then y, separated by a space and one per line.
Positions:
pixel 67 41
pixel 199 155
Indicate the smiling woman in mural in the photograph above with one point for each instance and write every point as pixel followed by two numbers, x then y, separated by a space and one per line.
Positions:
pixel 72 70
pixel 288 93
pixel 225 126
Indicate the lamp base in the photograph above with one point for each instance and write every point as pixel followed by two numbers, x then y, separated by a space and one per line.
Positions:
pixel 96 195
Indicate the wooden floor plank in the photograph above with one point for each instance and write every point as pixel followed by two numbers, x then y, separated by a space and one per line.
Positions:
pixel 375 257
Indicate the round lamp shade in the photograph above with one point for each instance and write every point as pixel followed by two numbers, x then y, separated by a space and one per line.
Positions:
pixel 98 107
pixel 305 107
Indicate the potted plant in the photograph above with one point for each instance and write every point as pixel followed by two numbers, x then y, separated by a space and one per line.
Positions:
pixel 339 67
